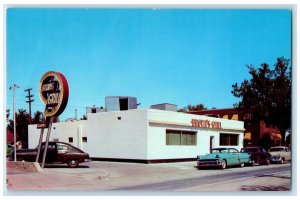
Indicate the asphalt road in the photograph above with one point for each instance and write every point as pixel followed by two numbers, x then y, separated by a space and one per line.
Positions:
pixel 224 181
pixel 165 177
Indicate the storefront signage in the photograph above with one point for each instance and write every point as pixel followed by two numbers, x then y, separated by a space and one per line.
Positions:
pixel 206 124
pixel 54 92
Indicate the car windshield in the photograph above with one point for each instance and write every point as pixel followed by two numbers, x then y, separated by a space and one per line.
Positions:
pixel 219 151
pixel 249 150
pixel 276 149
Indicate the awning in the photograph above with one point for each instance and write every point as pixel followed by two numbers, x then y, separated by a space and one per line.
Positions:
pixel 247 136
pixel 235 117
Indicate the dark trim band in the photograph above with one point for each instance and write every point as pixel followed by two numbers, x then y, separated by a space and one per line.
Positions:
pixel 144 161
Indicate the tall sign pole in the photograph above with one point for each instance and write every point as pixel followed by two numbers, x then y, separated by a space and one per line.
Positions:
pixel 54 92
pixel 13 87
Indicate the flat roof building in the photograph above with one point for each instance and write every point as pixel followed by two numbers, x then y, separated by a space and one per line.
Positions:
pixel 145 135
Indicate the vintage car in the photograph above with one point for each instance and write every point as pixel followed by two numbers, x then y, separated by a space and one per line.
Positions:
pixel 280 154
pixel 223 157
pixel 258 155
pixel 58 152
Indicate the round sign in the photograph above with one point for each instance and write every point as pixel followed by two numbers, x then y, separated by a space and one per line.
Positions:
pixel 54 92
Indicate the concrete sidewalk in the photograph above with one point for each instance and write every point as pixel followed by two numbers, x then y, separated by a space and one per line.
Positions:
pixel 109 176
pixel 112 176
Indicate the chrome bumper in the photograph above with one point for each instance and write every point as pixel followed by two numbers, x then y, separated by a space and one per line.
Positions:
pixel 276 159
pixel 210 163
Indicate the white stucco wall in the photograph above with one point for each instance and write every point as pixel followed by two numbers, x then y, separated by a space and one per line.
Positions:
pixel 160 121
pixel 113 138
pixel 137 134
pixel 61 131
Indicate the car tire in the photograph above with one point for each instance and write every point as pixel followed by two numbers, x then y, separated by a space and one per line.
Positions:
pixel 223 164
pixel 20 159
pixel 72 163
pixel 282 161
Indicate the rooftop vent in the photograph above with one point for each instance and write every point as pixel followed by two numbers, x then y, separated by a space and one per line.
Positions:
pixel 165 106
pixel 117 103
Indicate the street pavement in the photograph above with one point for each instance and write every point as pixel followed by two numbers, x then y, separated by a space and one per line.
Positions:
pixel 174 177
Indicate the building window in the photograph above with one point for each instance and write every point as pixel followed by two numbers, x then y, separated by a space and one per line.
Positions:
pixel 228 139
pixel 84 139
pixel 70 139
pixel 180 138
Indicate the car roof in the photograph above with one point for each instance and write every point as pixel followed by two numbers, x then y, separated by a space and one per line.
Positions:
pixel 52 142
pixel 223 148
pixel 279 147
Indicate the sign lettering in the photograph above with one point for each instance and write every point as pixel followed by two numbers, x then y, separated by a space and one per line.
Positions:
pixel 53 99
pixel 49 87
pixel 206 124
pixel 54 92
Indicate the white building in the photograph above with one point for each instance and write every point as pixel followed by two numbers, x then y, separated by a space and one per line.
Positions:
pixel 145 135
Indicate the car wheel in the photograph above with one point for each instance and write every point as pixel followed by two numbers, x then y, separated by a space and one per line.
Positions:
pixel 282 160
pixel 242 165
pixel 73 163
pixel 223 164
pixel 20 159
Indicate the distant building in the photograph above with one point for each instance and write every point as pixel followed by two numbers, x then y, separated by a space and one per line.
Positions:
pixel 9 136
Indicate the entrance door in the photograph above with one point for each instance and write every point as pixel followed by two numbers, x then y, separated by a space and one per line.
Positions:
pixel 211 143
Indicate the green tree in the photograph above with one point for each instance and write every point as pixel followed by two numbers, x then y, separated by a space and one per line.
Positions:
pixel 267 95
pixel 266 141
pixel 189 108
pixel 38 118
pixel 22 122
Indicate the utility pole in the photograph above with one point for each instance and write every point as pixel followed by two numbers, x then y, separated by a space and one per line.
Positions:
pixel 13 87
pixel 29 100
pixel 7 114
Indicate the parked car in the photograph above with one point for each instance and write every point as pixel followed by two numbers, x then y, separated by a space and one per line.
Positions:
pixel 258 155
pixel 280 154
pixel 223 157
pixel 58 152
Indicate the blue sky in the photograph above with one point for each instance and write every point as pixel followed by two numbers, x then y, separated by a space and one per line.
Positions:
pixel 177 56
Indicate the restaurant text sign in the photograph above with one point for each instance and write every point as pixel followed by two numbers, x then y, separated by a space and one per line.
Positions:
pixel 54 92
pixel 206 124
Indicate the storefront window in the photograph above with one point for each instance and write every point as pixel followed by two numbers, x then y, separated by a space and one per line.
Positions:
pixel 228 139
pixel 175 137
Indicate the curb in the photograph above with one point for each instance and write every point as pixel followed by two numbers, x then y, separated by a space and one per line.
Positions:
pixel 25 166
